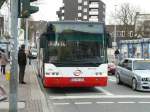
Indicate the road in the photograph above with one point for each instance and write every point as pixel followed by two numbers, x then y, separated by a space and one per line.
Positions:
pixel 113 98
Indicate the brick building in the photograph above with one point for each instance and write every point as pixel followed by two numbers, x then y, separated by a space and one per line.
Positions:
pixel 122 32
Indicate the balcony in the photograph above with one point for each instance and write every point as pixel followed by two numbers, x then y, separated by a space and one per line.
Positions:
pixel 93 5
pixel 93 18
pixel 93 13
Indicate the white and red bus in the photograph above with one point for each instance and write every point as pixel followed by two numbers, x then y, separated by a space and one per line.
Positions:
pixel 73 54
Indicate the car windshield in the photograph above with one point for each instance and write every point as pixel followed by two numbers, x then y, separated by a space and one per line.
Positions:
pixel 141 65
pixel 34 50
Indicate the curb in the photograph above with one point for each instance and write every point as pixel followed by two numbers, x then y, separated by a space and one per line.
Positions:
pixel 3 95
pixel 43 97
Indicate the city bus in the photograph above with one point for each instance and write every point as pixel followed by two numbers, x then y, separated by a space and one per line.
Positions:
pixel 73 54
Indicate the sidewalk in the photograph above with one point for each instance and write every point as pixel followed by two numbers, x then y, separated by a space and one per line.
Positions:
pixel 30 96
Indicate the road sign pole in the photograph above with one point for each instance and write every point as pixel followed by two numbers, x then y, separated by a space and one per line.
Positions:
pixel 26 35
pixel 13 90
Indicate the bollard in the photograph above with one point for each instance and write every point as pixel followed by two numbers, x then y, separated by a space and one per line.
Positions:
pixel 7 75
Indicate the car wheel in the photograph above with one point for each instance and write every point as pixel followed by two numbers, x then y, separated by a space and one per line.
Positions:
pixel 118 79
pixel 134 84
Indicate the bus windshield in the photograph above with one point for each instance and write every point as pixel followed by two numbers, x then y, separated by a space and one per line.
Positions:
pixel 73 53
pixel 76 45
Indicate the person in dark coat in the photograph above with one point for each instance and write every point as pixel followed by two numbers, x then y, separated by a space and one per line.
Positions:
pixel 22 61
pixel 117 56
pixel 30 56
pixel 3 62
pixel 117 52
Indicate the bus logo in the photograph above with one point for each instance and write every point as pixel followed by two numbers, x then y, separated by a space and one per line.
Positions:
pixel 77 73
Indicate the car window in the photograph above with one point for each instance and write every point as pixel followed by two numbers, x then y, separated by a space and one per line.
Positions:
pixel 129 65
pixel 124 63
pixel 141 65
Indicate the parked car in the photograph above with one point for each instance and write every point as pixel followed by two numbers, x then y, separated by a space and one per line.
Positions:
pixel 34 53
pixel 111 68
pixel 135 73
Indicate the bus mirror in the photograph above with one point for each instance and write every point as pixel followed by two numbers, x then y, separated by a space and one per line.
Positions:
pixel 42 41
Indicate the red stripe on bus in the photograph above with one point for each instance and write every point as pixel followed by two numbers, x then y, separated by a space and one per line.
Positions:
pixel 74 81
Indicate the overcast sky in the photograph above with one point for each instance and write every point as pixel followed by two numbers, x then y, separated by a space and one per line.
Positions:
pixel 48 8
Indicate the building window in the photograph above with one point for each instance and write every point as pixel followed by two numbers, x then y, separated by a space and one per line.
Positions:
pixel 119 33
pixel 79 14
pixel 85 10
pixel 93 18
pixel 79 8
pixel 94 10
pixel 79 1
pixel 85 3
pixel 123 33
pixel 62 18
pixel 131 33
pixel 63 11
pixel 84 17
pixel 94 2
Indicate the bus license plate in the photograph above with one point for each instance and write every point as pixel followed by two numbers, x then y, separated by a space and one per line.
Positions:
pixel 77 79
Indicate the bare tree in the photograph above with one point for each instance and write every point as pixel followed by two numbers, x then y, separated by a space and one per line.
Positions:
pixel 125 15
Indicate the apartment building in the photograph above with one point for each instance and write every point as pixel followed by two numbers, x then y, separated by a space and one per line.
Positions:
pixel 82 10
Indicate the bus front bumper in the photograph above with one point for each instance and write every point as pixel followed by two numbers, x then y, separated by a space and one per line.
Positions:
pixel 74 81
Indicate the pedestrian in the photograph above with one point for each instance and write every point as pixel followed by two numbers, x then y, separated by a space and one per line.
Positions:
pixel 3 62
pixel 117 56
pixel 117 52
pixel 29 56
pixel 22 61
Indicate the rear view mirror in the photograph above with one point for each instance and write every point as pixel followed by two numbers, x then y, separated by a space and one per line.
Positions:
pixel 109 40
pixel 42 40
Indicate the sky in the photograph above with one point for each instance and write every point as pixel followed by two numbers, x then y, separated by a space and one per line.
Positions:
pixel 48 8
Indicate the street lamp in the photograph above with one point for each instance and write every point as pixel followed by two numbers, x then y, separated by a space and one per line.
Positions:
pixel 115 44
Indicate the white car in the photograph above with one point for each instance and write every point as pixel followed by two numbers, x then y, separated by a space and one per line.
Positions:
pixel 34 53
pixel 135 73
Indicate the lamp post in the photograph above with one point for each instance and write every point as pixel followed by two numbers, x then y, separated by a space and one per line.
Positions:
pixel 13 88
pixel 115 44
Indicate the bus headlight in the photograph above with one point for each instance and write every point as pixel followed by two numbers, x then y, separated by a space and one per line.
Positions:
pixel 55 73
pixel 47 73
pixel 98 73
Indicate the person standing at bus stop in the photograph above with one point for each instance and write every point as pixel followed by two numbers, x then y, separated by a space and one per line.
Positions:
pixel 22 61
pixel 117 53
pixel 3 62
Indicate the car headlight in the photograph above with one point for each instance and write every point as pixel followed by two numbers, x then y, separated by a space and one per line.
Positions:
pixel 145 79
